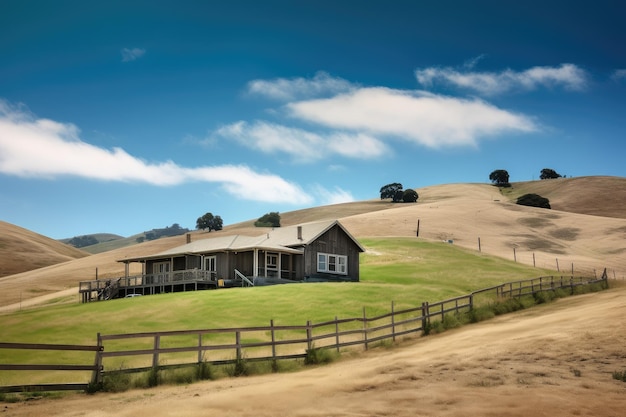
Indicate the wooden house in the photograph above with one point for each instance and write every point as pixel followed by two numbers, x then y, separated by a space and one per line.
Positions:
pixel 316 251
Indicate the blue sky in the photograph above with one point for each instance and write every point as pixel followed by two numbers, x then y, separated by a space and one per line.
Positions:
pixel 121 117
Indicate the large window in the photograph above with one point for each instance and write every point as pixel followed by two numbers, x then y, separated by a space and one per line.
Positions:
pixel 271 265
pixel 334 264
pixel 210 263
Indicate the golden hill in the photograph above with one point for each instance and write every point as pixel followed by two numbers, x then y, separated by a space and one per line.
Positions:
pixel 585 231
pixel 22 250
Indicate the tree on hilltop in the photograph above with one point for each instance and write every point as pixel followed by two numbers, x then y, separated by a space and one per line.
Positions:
pixel 271 219
pixel 548 173
pixel 391 191
pixel 209 221
pixel 500 177
pixel 410 196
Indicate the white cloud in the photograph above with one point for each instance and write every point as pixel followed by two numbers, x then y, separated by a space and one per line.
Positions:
pixel 335 196
pixel 303 145
pixel 424 118
pixel 43 148
pixel 568 76
pixel 132 54
pixel 471 63
pixel 292 88
pixel 619 75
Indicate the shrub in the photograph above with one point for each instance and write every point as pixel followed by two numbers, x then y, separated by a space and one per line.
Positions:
pixel 478 314
pixel 92 387
pixel 534 200
pixel 116 382
pixel 620 376
pixel 543 297
pixel 153 378
pixel 271 219
pixel 451 321
pixel 204 371
pixel 317 356
pixel 239 368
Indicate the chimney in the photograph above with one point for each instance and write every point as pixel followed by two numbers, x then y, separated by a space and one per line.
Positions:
pixel 188 237
pixel 299 232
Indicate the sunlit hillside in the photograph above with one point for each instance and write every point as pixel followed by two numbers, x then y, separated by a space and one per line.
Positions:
pixel 585 231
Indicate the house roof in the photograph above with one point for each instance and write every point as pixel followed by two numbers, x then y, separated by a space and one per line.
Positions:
pixel 283 239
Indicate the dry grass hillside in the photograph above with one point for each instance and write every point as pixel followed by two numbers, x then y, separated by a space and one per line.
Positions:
pixel 22 250
pixel 554 360
pixel 460 213
pixel 598 196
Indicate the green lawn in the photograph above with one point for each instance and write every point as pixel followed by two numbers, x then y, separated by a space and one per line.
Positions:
pixel 406 271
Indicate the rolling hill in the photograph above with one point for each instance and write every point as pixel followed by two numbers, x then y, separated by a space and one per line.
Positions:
pixel 22 250
pixel 584 232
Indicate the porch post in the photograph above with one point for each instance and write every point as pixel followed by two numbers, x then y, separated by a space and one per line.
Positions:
pixel 255 263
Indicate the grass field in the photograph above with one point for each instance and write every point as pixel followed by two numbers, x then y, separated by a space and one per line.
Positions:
pixel 403 270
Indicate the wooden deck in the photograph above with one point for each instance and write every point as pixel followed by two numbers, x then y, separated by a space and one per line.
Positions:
pixel 176 281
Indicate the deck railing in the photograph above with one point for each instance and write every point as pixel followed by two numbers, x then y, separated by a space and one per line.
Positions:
pixel 104 289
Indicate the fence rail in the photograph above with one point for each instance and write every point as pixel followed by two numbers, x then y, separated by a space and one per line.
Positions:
pixel 179 348
pixel 95 368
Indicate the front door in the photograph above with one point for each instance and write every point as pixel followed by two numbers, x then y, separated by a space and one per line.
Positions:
pixel 271 264
pixel 210 265
pixel 161 272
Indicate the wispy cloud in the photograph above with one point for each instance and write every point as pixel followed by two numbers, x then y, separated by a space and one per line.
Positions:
pixel 335 196
pixel 568 76
pixel 619 75
pixel 471 63
pixel 293 88
pixel 132 54
pixel 42 148
pixel 423 118
pixel 303 145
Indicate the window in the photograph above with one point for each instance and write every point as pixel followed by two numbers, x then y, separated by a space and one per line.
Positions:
pixel 272 260
pixel 334 264
pixel 210 263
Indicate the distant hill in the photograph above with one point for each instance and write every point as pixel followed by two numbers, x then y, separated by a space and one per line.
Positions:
pixel 597 196
pixel 91 239
pixel 107 241
pixel 22 250
pixel 586 227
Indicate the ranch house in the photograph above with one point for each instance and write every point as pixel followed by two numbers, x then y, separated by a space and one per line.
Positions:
pixel 310 252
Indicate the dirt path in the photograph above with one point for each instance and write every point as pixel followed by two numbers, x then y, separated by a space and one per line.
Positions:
pixel 555 360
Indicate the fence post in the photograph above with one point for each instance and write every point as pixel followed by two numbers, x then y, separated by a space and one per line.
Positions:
pixel 337 334
pixel 200 352
pixel 273 339
pixel 393 324
pixel 155 356
pixel 471 300
pixel 425 318
pixel 238 344
pixel 96 376
pixel 309 335
pixel 365 328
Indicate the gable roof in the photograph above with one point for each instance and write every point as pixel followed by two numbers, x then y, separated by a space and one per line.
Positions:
pixel 290 239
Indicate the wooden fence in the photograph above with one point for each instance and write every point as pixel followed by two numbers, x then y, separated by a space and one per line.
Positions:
pixel 95 368
pixel 140 352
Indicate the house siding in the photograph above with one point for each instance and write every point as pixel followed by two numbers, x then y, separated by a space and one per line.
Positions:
pixel 334 241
